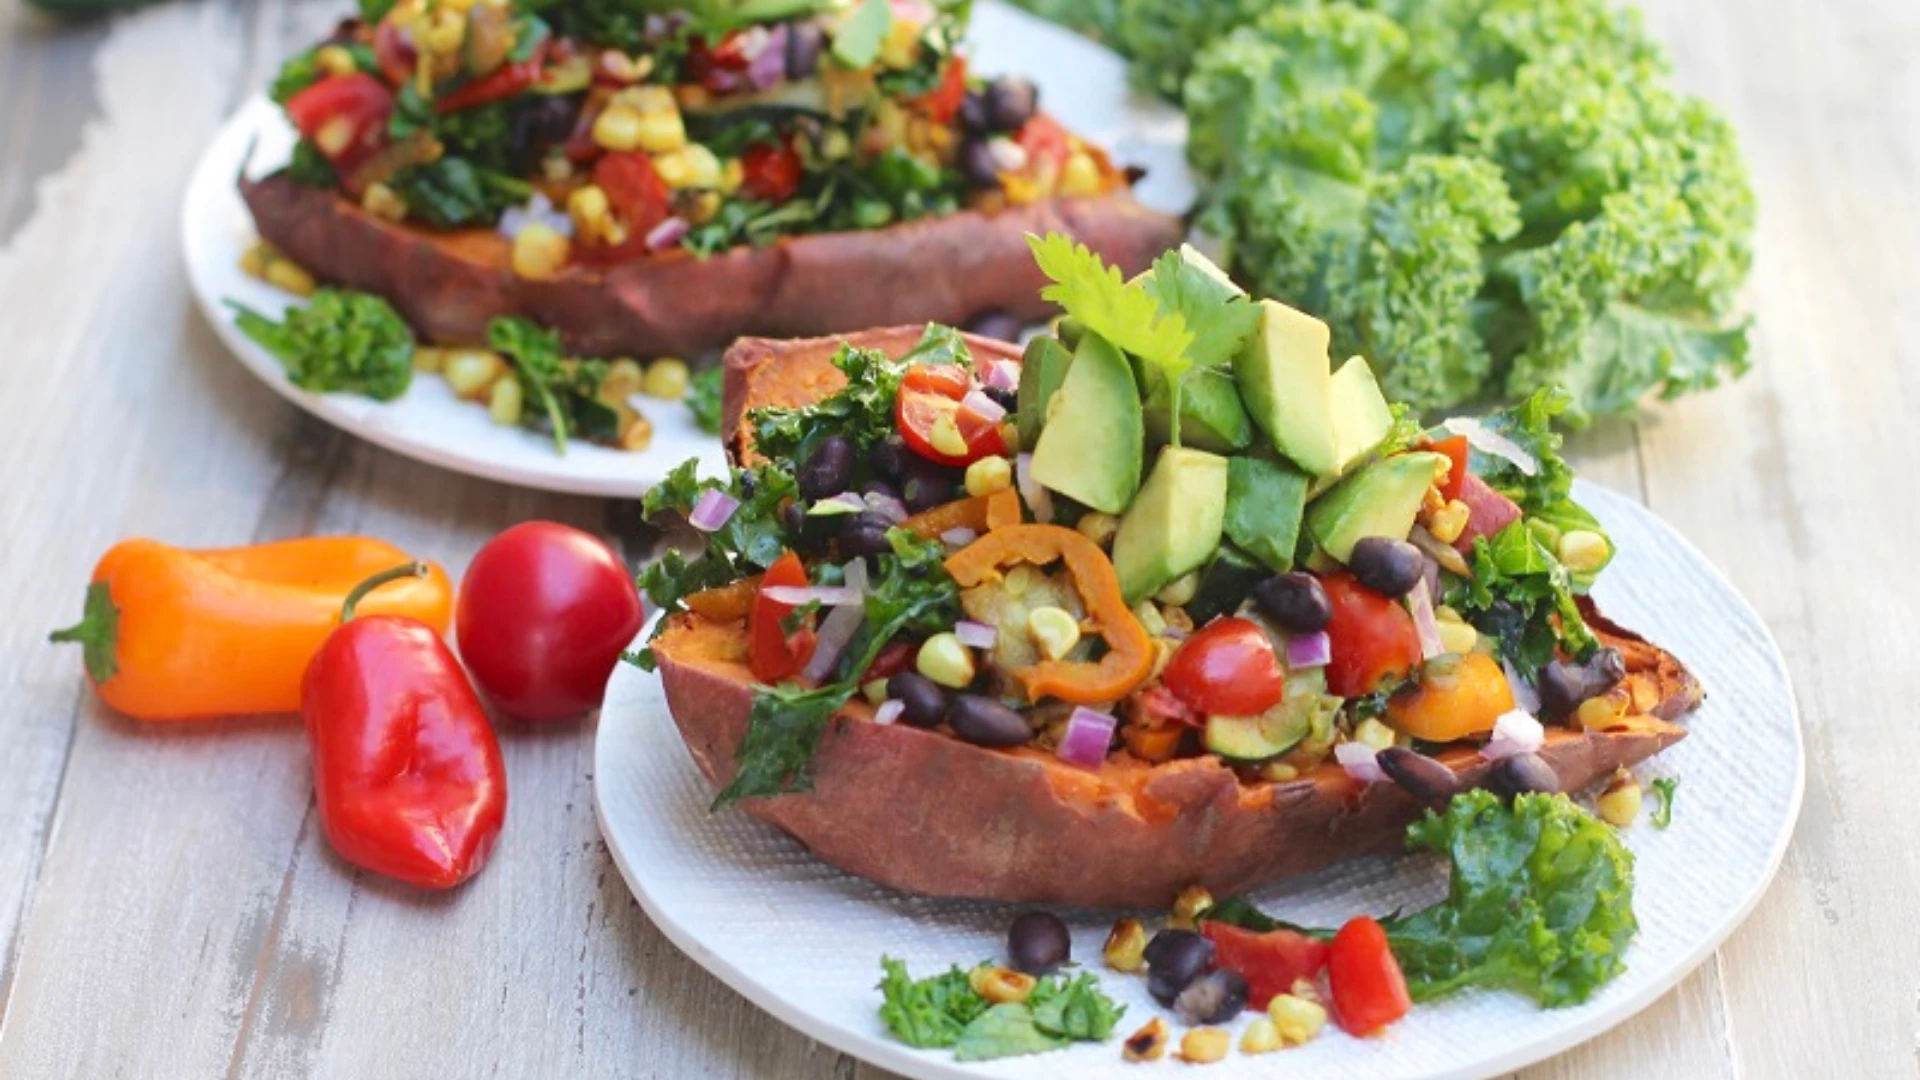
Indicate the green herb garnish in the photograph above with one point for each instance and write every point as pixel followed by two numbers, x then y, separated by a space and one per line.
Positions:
pixel 339 340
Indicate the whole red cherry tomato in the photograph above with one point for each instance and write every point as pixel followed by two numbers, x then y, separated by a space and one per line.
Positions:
pixel 1369 991
pixel 542 617
pixel 771 171
pixel 774 653
pixel 1373 638
pixel 1227 668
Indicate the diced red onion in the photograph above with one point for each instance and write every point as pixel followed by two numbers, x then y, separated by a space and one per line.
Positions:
pixel 767 66
pixel 1359 760
pixel 886 506
pixel 836 630
pixel 1309 651
pixel 1488 441
pixel 911 11
pixel 984 407
pixel 856 575
pixel 712 510
pixel 1515 732
pixel 667 233
pixel 959 537
pixel 850 501
pixel 1002 375
pixel 1525 697
pixel 1420 604
pixel 889 711
pixel 824 595
pixel 1008 156
pixel 976 635
pixel 1037 497
pixel 1086 739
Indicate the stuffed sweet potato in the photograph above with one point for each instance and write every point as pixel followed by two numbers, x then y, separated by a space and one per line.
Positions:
pixel 666 187
pixel 1196 718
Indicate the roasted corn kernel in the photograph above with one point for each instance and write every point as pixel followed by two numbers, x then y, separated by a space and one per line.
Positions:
pixel 1098 527
pixel 470 372
pixel 662 132
pixel 1080 176
pixel 334 60
pixel 1371 732
pixel 667 379
pixel 1584 551
pixel 1447 523
pixel 590 210
pixel 383 202
pixel 506 401
pixel 988 475
pixel 1054 630
pixel 944 660
pixel 428 359
pixel 1619 805
pixel 636 433
pixel 1261 1037
pixel 1604 711
pixel 335 135
pixel 1193 902
pixel 285 275
pixel 1180 590
pixel 1002 986
pixel 1278 772
pixel 1126 946
pixel 539 252
pixel 691 166
pixel 1147 1044
pixel 1297 1018
pixel 617 128
pixel 1205 1045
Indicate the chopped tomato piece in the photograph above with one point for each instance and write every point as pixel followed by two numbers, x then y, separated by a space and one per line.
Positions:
pixel 344 116
pixel 771 171
pixel 1455 450
pixel 1227 668
pixel 1046 143
pixel 938 428
pixel 1369 991
pixel 942 103
pixel 1271 962
pixel 1373 638
pixel 506 81
pixel 775 653
pixel 639 198
pixel 947 380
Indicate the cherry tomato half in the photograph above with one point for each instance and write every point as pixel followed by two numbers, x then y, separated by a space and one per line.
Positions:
pixel 920 415
pixel 1271 962
pixel 770 171
pixel 1372 637
pixel 1455 449
pixel 344 116
pixel 1227 668
pixel 543 613
pixel 773 653
pixel 639 199
pixel 942 103
pixel 1046 143
pixel 1369 992
pixel 947 380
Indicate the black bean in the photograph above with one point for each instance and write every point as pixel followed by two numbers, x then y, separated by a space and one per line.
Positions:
pixel 1524 774
pixel 926 484
pixel 865 533
pixel 985 722
pixel 1011 102
pixel 881 488
pixel 1038 944
pixel 975 119
pixel 537 122
pixel 1423 777
pixel 1562 686
pixel 808 533
pixel 978 166
pixel 888 457
pixel 827 470
pixel 804 41
pixel 1296 601
pixel 1214 998
pixel 998 325
pixel 1006 399
pixel 925 701
pixel 1387 566
pixel 1605 669
pixel 1174 959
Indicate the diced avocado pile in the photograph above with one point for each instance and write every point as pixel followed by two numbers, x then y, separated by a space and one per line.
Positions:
pixel 1276 455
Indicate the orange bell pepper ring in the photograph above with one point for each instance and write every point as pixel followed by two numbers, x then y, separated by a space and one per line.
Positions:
pixel 170 634
pixel 1129 658
pixel 982 514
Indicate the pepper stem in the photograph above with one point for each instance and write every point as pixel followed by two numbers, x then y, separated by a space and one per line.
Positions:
pixel 97 633
pixel 414 569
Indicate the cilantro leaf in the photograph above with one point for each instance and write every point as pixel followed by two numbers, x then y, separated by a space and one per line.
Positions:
pixel 1219 314
pixel 929 1012
pixel 945 1011
pixel 1075 1009
pixel 1127 315
pixel 339 341
pixel 1004 1031
pixel 1666 786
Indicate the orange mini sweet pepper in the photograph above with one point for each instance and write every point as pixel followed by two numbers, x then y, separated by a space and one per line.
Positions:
pixel 171 634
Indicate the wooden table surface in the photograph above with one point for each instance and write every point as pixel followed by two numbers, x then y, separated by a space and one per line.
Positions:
pixel 169 908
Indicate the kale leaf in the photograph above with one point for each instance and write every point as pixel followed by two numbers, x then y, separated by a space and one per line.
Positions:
pixel 704 396
pixel 339 341
pixel 566 390
pixel 452 192
pixel 862 411
pixel 930 1012
pixel 1523 596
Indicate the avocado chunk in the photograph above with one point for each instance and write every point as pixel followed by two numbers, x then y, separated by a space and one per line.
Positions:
pixel 1211 416
pixel 1276 731
pixel 1361 418
pixel 1092 442
pixel 1265 502
pixel 1285 379
pixel 1228 579
pixel 1041 371
pixel 1379 500
pixel 1174 525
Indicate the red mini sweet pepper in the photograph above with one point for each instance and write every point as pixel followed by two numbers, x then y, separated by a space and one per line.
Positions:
pixel 406 769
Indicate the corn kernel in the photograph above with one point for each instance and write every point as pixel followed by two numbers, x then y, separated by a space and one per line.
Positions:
pixel 732 176
pixel 334 60
pixel 1080 177
pixel 705 207
pixel 1584 551
pixel 835 145
pixel 1147 1044
pixel 875 691
pixel 648 100
pixel 1306 990
pixel 667 379
pixel 945 436
pixel 1150 617
pixel 335 135
pixel 1261 1037
pixel 1002 986
pixel 1098 527
pixel 1163 650
pixel 1456 636
pixel 1619 805
pixel 1054 630
pixel 617 128
pixel 1180 590
pixel 1447 523
pixel 944 660
pixel 506 401
pixel 285 275
pixel 1373 733
pixel 590 210
pixel 1126 946
pixel 1296 1018
pixel 448 31
pixel 902 45
pixel 636 434
pixel 623 380
pixel 1205 1045
pixel 988 475
pixel 1278 772
pixel 253 261
pixel 428 359
pixel 662 132
pixel 469 372
pixel 1603 711
pixel 1193 902
pixel 539 252
pixel 383 202
pixel 692 166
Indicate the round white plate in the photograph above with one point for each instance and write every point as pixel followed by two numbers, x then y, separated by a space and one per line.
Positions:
pixel 804 941
pixel 1081 83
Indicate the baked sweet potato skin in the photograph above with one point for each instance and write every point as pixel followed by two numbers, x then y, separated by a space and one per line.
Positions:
pixel 949 269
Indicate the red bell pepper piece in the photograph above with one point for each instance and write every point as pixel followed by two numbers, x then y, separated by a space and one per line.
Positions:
pixel 1369 992
pixel 1271 962
pixel 406 770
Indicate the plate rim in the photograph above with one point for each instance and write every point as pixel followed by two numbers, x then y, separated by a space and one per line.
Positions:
pixel 907 1062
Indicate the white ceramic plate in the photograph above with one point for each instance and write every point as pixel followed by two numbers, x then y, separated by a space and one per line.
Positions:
pixel 1081 83
pixel 804 941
